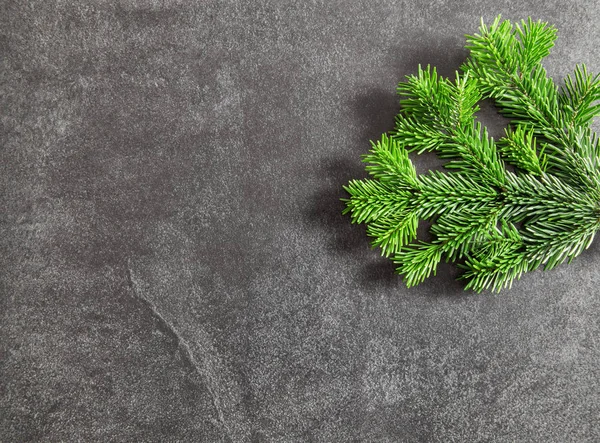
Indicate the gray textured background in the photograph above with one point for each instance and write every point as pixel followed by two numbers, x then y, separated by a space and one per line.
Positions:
pixel 174 265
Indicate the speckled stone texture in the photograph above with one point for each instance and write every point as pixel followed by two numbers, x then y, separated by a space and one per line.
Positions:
pixel 174 265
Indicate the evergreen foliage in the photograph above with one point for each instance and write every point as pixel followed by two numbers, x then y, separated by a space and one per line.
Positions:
pixel 494 223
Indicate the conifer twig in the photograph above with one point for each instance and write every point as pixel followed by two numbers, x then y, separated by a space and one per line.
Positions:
pixel 495 223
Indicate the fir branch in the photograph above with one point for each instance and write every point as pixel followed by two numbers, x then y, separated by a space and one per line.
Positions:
pixel 519 148
pixel 529 197
pixel 440 193
pixel 553 242
pixel 578 96
pixel 389 163
pixel 372 199
pixel 418 262
pixel 393 232
pixel 496 223
pixel 536 39
pixel 497 264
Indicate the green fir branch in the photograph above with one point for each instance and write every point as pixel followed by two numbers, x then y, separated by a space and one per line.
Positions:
pixel 578 96
pixel 494 223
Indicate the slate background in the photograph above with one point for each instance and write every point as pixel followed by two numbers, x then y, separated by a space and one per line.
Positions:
pixel 174 265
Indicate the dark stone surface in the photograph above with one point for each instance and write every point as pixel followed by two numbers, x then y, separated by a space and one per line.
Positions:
pixel 174 265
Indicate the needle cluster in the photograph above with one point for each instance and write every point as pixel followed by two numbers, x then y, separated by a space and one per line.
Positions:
pixel 495 223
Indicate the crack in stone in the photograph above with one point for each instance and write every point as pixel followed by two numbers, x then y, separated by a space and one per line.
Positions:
pixel 184 346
